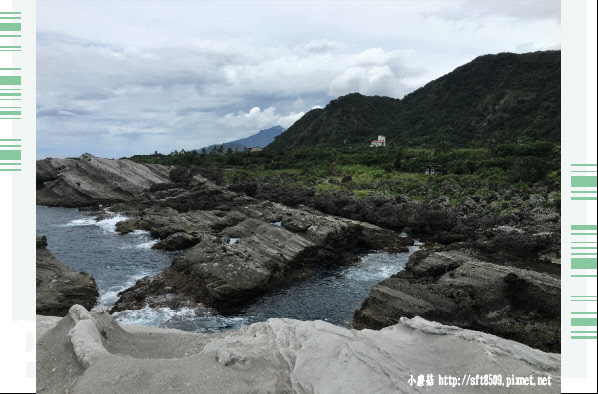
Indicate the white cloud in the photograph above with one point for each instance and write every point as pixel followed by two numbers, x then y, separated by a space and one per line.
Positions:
pixel 287 121
pixel 320 46
pixel 171 75
pixel 371 81
pixel 256 119
pixel 519 9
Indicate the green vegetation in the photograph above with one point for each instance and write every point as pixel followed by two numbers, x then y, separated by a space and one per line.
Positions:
pixel 397 171
pixel 494 99
pixel 493 124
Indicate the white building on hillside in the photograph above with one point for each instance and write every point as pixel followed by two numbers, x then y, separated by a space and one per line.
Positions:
pixel 381 141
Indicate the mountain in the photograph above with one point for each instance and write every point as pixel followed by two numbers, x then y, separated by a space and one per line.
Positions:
pixel 261 139
pixel 232 145
pixel 492 99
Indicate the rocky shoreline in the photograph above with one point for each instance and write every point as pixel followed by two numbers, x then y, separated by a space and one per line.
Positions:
pixel 492 274
pixel 57 286
pixel 456 287
pixel 525 230
pixel 245 252
pixel 89 352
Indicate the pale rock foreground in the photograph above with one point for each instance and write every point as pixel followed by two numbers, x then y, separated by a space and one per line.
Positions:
pixel 88 352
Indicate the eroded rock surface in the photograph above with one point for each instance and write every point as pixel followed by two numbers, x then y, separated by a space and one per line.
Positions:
pixel 90 353
pixel 88 180
pixel 457 287
pixel 499 273
pixel 245 252
pixel 57 286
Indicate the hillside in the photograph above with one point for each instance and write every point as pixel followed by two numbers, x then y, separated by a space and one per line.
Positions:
pixel 261 139
pixel 493 99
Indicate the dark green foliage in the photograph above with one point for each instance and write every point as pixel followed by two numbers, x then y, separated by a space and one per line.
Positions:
pixel 494 99
pixel 398 160
pixel 388 167
pixel 180 175
pixel 530 168
pixel 500 164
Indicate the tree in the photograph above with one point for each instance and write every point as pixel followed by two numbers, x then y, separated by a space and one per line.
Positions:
pixel 387 167
pixel 229 151
pixel 530 168
pixel 398 160
pixel 203 152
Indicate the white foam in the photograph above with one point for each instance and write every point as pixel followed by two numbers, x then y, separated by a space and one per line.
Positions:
pixel 109 225
pixel 233 241
pixel 378 266
pixel 147 245
pixel 153 316
pixel 140 233
pixel 276 224
pixel 108 297
pixel 88 221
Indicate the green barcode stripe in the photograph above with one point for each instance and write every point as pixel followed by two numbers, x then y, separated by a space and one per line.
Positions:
pixel 583 181
pixel 584 227
pixel 584 322
pixel 583 263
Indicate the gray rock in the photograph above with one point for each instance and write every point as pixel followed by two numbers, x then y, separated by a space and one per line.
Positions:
pixel 89 180
pixel 90 353
pixel 57 286
pixel 261 256
pixel 177 241
pixel 457 288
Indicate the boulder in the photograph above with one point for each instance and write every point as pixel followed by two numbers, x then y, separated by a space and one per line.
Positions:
pixel 458 288
pixel 57 286
pixel 177 241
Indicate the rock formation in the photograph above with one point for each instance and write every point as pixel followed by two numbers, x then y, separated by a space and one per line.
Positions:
pixel 57 286
pixel 248 239
pixel 90 353
pixel 88 180
pixel 458 288
pixel 245 252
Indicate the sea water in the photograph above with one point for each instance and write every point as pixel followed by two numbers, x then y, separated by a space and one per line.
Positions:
pixel 117 261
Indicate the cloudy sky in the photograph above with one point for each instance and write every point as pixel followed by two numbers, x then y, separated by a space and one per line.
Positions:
pixel 116 78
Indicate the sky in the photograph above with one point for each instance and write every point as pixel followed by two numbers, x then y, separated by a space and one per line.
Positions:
pixel 117 78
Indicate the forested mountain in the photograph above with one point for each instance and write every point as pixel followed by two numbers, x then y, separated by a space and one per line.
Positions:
pixel 493 99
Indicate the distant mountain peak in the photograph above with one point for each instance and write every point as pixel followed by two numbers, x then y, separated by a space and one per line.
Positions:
pixel 260 139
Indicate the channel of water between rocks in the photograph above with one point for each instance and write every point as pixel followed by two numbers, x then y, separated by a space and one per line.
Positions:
pixel 117 261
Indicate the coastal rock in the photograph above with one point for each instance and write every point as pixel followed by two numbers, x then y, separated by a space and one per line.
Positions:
pixel 251 251
pixel 91 353
pixel 177 241
pixel 57 286
pixel 88 180
pixel 458 288
pixel 476 220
